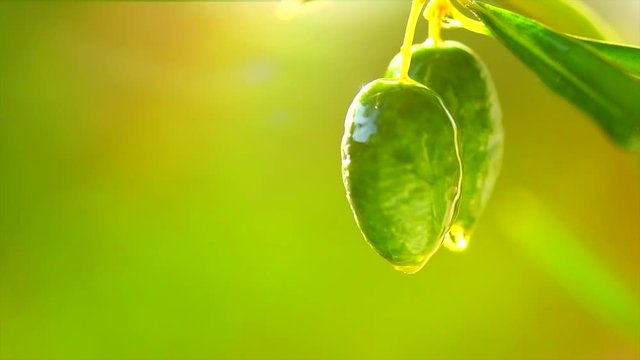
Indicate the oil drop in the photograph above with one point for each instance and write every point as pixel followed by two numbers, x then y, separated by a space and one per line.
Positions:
pixel 456 239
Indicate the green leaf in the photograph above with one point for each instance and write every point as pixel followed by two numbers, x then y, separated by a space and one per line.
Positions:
pixel 567 16
pixel 573 69
pixel 625 56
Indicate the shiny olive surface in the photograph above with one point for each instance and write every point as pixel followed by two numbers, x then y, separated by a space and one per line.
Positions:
pixel 463 82
pixel 401 170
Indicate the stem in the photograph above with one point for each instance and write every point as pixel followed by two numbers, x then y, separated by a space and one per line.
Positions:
pixel 468 23
pixel 434 13
pixel 405 50
pixel 437 10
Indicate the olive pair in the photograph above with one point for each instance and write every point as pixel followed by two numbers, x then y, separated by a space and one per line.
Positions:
pixel 420 158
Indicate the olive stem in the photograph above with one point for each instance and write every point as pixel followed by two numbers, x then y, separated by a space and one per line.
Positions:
pixel 468 23
pixel 405 50
pixel 434 13
pixel 437 10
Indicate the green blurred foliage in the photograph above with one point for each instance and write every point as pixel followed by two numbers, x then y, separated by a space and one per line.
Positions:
pixel 170 189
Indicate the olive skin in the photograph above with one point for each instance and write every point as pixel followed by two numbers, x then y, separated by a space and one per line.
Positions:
pixel 401 169
pixel 462 80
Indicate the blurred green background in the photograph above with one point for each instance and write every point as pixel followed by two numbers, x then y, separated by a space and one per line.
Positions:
pixel 170 188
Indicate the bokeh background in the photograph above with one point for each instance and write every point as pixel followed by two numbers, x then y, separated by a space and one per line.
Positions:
pixel 170 188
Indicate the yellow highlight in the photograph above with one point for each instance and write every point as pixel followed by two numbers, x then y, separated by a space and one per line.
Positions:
pixel 287 9
pixel 457 239
pixel 410 269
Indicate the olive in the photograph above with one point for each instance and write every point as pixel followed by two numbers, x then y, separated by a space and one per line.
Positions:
pixel 401 169
pixel 458 75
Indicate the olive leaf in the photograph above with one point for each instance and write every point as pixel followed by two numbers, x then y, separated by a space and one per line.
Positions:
pixel 567 16
pixel 577 18
pixel 581 72
pixel 625 56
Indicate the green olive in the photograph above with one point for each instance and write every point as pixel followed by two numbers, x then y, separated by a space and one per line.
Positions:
pixel 457 74
pixel 401 169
